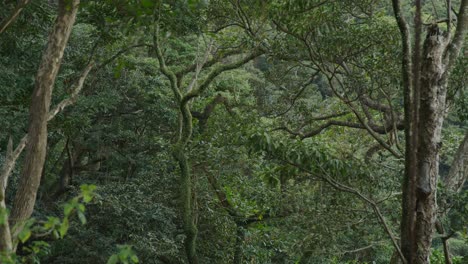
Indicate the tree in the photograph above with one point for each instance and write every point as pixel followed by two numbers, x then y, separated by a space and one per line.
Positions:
pixel 183 96
pixel 426 69
pixel 36 140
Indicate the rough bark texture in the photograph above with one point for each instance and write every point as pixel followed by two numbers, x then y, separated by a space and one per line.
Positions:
pixel 39 113
pixel 423 124
pixel 431 116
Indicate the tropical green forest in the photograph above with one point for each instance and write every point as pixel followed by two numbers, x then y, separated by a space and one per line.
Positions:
pixel 233 131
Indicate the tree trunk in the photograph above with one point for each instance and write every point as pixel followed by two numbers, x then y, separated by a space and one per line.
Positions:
pixel 423 123
pixel 431 116
pixel 190 228
pixel 5 235
pixel 67 172
pixel 38 115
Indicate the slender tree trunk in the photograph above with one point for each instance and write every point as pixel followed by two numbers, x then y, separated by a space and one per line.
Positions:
pixel 5 235
pixel 39 113
pixel 190 227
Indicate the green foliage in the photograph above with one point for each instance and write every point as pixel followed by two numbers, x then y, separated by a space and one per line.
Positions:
pixel 125 256
pixel 272 198
pixel 34 229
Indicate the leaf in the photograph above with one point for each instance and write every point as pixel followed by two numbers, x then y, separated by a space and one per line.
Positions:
pixel 56 234
pixel 88 192
pixel 81 208
pixel 25 234
pixel 82 217
pixel 64 227
pixel 51 222
pixel 68 209
pixel 114 259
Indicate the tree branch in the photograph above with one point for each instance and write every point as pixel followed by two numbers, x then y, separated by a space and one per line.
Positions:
pixel 219 56
pixel 12 17
pixel 301 90
pixel 341 187
pixel 462 27
pixel 13 156
pixel 163 67
pixel 217 71
pixel 74 95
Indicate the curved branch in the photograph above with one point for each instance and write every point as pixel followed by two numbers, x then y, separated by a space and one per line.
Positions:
pixel 163 67
pixel 219 56
pixel 345 188
pixel 217 71
pixel 120 52
pixel 301 90
pixel 462 27
pixel 209 108
pixel 74 95
pixel 12 17
pixel 12 156
pixel 377 129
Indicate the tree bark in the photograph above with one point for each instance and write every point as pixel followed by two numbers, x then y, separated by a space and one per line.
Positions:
pixel 431 116
pixel 425 98
pixel 190 228
pixel 25 198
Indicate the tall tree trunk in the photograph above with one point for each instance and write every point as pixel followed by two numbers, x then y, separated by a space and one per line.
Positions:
pixel 423 124
pixel 431 117
pixel 25 198
pixel 190 227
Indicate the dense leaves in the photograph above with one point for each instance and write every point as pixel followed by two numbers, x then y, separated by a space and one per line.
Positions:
pixel 295 155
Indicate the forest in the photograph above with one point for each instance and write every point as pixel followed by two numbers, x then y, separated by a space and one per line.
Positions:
pixel 233 131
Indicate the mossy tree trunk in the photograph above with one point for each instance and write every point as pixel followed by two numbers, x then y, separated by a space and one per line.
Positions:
pixel 183 94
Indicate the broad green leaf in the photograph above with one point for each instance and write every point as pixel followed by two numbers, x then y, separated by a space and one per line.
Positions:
pixel 114 259
pixel 25 234
pixel 68 209
pixel 64 227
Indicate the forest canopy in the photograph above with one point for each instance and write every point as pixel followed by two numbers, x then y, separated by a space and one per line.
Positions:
pixel 233 131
